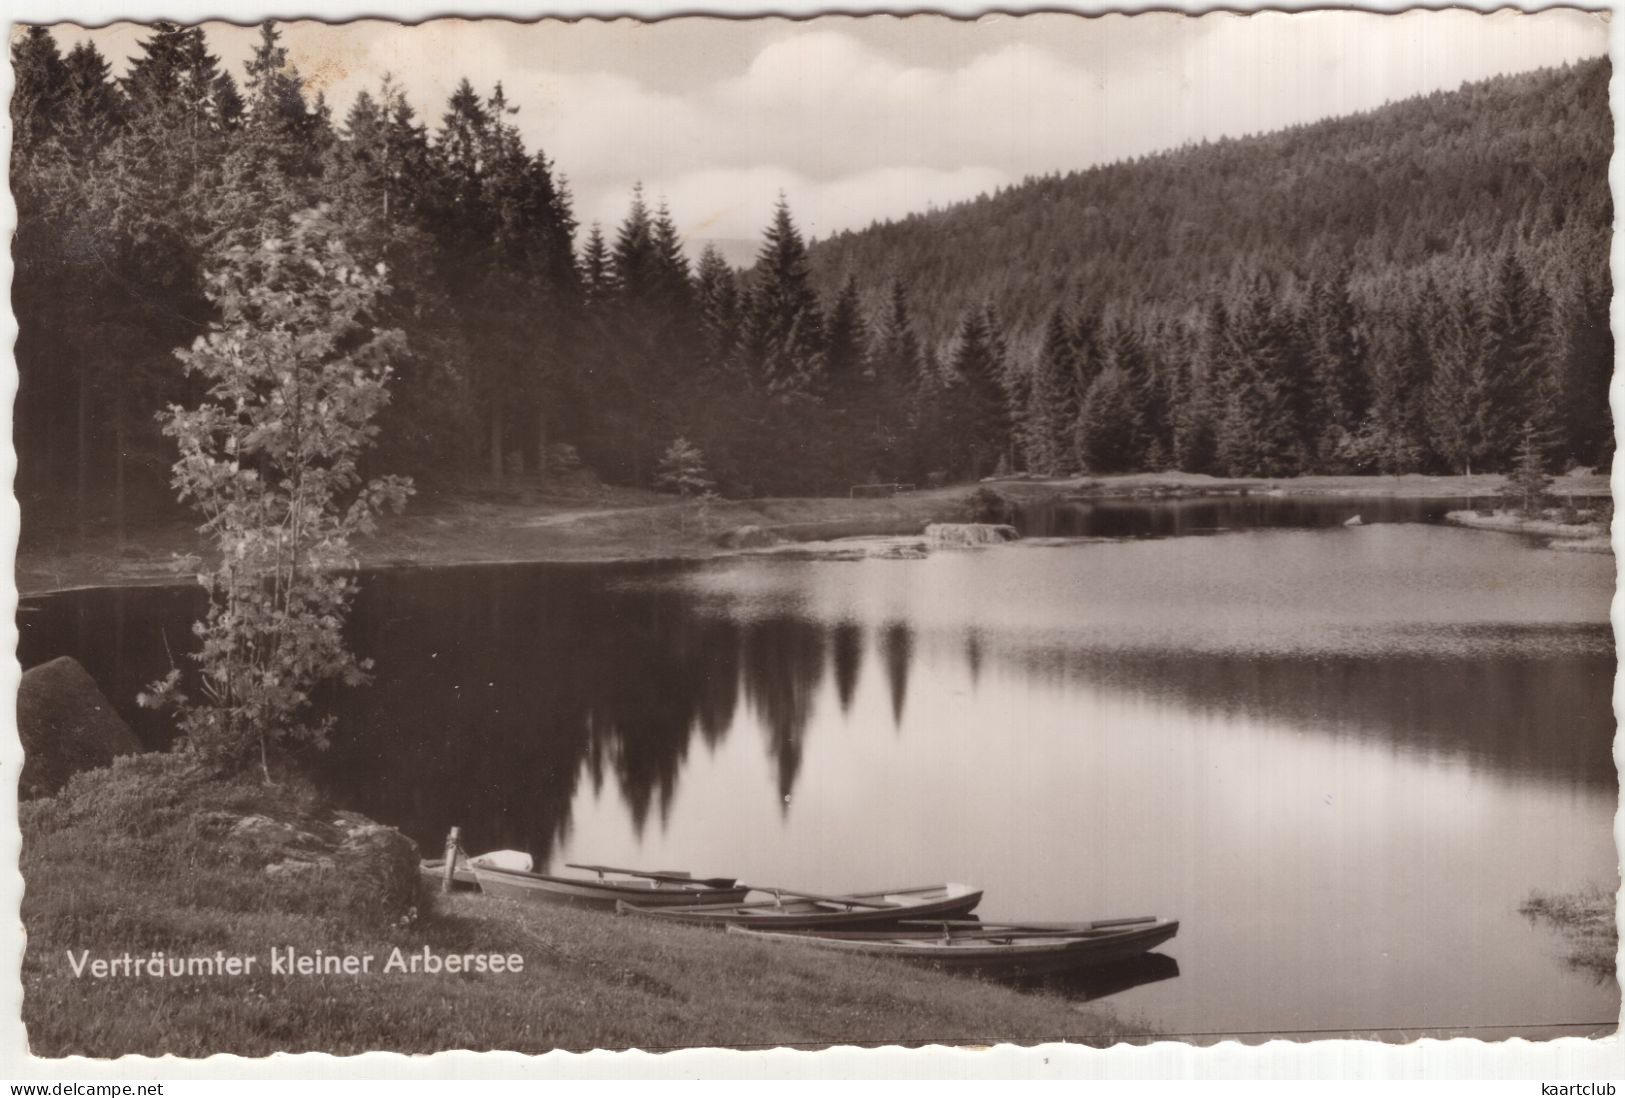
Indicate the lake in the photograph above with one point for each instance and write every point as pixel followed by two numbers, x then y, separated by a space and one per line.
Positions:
pixel 1342 757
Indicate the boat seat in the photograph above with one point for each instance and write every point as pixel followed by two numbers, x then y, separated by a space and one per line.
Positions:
pixel 506 859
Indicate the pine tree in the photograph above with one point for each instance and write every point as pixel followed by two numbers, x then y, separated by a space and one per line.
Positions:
pixel 597 270
pixel 275 99
pixel 271 168
pixel 1123 349
pixel 1053 404
pixel 1529 480
pixel 379 179
pixel 39 91
pixel 1586 370
pixel 1456 401
pixel 150 193
pixel 1400 377
pixel 896 354
pixel 1514 360
pixel 1195 420
pixel 977 436
pixel 462 137
pixel 1108 428
pixel 671 270
pixel 633 258
pixel 717 296
pixel 786 340
pixel 1339 367
pixel 1257 433
pixel 228 102
pixel 844 355
pixel 93 108
pixel 895 366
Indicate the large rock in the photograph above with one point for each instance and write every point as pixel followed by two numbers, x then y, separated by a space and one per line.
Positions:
pixel 748 537
pixel 374 869
pixel 964 535
pixel 66 725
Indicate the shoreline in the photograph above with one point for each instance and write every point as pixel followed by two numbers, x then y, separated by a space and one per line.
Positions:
pixel 537 523
pixel 1573 537
pixel 241 884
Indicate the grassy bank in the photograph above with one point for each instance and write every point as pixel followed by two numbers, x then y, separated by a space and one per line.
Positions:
pixel 131 860
pixel 479 523
pixel 1585 919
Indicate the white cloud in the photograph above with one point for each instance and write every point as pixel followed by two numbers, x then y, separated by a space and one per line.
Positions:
pixel 737 203
pixel 860 119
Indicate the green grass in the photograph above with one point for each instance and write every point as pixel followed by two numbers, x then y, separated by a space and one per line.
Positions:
pixel 132 858
pixel 1586 921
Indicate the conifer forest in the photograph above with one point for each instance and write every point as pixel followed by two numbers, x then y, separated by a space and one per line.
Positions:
pixel 1398 291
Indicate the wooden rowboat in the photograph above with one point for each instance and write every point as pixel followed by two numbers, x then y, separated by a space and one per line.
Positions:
pixel 434 871
pixel 649 889
pixel 1000 950
pixel 811 911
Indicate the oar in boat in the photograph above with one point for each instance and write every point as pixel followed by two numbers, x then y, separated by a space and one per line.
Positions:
pixel 704 882
pixel 848 901
pixel 925 931
pixel 1053 928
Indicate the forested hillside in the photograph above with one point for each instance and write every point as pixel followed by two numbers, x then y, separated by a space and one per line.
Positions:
pixel 1392 291
pixel 1404 290
pixel 1428 184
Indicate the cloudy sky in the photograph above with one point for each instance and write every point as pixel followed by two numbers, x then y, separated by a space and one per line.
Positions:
pixel 858 119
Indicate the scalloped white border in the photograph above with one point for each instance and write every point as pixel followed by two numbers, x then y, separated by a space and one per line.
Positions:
pixel 1552 1061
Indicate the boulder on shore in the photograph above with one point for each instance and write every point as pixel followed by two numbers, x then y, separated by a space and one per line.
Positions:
pixel 375 867
pixel 748 537
pixel 66 725
pixel 962 535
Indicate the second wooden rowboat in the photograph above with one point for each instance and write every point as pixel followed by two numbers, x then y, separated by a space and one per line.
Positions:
pixel 808 912
pixel 654 890
pixel 999 950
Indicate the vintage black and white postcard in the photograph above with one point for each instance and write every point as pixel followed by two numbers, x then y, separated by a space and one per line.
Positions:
pixel 849 530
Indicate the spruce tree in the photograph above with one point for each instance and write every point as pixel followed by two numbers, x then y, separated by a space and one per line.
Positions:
pixel 377 174
pixel 271 168
pixel 39 91
pixel 1528 482
pixel 1516 346
pixel 844 355
pixel 786 338
pixel 1257 433
pixel 1108 427
pixel 1400 377
pixel 1053 404
pixel 1456 401
pixel 597 270
pixel 977 437
pixel 1340 369
pixel 1123 349
pixel 1587 369
pixel 717 297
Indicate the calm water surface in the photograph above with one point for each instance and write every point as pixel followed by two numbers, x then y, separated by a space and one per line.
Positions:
pixel 1342 757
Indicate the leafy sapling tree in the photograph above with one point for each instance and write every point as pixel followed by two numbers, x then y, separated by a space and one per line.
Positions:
pixel 682 470
pixel 296 373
